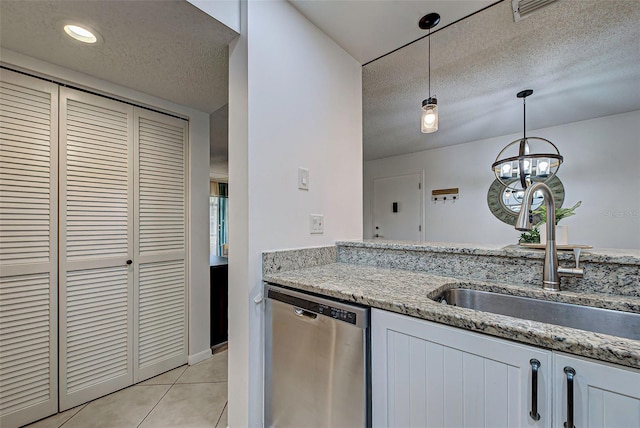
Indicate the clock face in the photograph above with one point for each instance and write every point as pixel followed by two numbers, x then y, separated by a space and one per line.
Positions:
pixel 504 201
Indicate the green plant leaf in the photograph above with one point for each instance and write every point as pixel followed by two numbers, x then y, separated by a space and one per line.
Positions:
pixel 531 237
pixel 560 213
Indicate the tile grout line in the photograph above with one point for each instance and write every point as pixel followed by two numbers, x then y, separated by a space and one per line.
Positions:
pixel 163 395
pixel 74 415
pixel 154 406
pixel 222 413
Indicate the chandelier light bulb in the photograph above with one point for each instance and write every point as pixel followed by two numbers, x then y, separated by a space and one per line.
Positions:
pixel 543 168
pixel 505 171
pixel 429 118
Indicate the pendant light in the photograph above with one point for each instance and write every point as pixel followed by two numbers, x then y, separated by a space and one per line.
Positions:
pixel 429 119
pixel 528 159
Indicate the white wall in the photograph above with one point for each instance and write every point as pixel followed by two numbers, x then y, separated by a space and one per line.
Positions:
pixel 601 169
pixel 295 100
pixel 225 11
pixel 198 185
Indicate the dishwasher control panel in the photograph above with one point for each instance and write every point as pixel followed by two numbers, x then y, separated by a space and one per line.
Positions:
pixel 339 314
pixel 316 307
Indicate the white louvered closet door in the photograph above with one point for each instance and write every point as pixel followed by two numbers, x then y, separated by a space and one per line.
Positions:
pixel 160 253
pixel 96 243
pixel 28 249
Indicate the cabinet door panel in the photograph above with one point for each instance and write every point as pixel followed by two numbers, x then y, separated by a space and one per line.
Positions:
pixel 604 395
pixel 426 374
pixel 96 240
pixel 159 263
pixel 28 249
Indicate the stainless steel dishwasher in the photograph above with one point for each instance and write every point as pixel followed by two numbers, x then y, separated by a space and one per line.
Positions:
pixel 317 361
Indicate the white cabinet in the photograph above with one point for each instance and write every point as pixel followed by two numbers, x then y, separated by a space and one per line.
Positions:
pixel 429 375
pixel 604 395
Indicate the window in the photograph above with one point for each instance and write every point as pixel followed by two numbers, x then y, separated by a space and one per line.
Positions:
pixel 218 226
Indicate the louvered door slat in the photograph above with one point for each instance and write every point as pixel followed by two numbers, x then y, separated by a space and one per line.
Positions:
pixel 28 249
pixel 96 239
pixel 81 172
pixel 161 330
pixel 156 171
pixel 160 248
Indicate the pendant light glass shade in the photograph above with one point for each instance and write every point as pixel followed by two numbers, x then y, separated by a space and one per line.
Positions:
pixel 429 120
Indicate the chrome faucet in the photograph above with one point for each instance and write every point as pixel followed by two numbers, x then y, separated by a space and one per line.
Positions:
pixel 551 273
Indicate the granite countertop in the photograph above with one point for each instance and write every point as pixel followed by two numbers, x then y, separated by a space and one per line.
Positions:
pixel 602 255
pixel 410 293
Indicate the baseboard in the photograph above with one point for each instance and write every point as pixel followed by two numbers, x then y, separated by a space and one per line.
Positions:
pixel 220 347
pixel 200 356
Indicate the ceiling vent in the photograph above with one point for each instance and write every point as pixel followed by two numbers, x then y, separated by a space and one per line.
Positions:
pixel 524 8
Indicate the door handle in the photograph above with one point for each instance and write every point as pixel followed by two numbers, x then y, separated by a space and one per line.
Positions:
pixel 535 365
pixel 129 262
pixel 571 373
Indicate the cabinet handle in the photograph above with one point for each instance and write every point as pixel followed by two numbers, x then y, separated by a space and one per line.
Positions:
pixel 129 262
pixel 535 365
pixel 571 373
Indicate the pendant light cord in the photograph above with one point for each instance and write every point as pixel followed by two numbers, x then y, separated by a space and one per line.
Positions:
pixel 524 118
pixel 429 36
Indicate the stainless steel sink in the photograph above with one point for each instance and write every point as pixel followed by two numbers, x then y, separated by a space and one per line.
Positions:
pixel 616 323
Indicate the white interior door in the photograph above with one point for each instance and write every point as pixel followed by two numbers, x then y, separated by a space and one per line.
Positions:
pixel 28 249
pixel 160 245
pixel 397 207
pixel 96 246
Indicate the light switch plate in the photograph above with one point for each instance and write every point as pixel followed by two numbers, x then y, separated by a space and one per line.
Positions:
pixel 303 178
pixel 316 224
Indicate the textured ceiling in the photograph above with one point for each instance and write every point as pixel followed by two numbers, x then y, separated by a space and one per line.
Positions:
pixel 581 58
pixel 368 29
pixel 168 49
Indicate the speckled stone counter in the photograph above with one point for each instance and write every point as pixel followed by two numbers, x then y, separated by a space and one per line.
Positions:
pixel 369 281
pixel 605 271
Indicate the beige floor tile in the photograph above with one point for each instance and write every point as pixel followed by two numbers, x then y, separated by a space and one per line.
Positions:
pixel 197 405
pixel 57 420
pixel 167 378
pixel 212 370
pixel 222 423
pixel 126 408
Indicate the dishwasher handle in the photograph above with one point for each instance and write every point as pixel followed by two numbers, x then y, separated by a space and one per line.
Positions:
pixel 302 313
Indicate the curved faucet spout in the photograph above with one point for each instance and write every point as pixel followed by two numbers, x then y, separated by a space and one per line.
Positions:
pixel 525 218
pixel 550 277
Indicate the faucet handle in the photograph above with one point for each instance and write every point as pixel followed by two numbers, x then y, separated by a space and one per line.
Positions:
pixel 577 272
pixel 576 253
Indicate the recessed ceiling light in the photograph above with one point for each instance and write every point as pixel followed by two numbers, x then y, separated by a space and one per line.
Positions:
pixel 80 33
